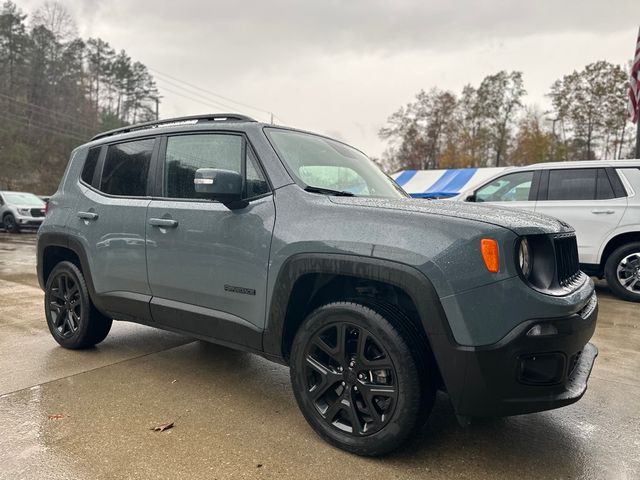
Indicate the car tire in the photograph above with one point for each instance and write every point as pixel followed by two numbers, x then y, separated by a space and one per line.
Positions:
pixel 358 377
pixel 73 320
pixel 622 271
pixel 9 223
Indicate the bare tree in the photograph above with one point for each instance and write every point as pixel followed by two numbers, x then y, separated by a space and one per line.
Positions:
pixel 55 17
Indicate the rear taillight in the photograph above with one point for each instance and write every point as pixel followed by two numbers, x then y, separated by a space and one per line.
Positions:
pixel 46 208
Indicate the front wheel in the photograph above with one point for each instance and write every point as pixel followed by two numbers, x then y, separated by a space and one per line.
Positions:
pixel 357 379
pixel 9 223
pixel 72 318
pixel 622 272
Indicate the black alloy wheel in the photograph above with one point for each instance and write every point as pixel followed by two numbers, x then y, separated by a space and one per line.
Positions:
pixel 350 379
pixel 73 320
pixel 65 305
pixel 361 377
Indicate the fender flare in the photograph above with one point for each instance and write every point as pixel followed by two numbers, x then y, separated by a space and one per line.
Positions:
pixel 46 240
pixel 412 281
pixel 634 228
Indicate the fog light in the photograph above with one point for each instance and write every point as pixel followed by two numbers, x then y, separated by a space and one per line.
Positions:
pixel 542 369
pixel 542 329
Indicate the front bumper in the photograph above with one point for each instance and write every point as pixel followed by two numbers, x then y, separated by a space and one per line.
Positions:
pixel 523 373
pixel 29 222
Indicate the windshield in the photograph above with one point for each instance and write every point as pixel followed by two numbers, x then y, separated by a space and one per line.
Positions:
pixel 322 163
pixel 22 199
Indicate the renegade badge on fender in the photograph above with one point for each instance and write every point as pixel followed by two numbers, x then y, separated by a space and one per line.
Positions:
pixel 297 247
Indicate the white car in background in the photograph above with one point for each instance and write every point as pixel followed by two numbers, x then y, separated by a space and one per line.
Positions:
pixel 600 199
pixel 20 210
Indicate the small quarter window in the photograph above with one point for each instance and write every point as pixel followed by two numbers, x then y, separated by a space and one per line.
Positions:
pixel 604 190
pixel 126 168
pixel 256 184
pixel 90 163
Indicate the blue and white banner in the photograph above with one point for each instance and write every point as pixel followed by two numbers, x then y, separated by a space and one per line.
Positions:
pixel 442 183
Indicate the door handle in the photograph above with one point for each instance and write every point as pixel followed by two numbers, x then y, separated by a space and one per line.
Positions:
pixel 603 212
pixel 163 222
pixel 88 215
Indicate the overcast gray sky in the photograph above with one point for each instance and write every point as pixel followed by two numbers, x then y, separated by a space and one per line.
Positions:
pixel 342 67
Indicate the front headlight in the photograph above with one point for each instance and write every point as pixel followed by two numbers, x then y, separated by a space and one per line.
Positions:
pixel 524 258
pixel 24 211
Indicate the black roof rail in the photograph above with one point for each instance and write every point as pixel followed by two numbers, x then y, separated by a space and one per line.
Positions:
pixel 212 117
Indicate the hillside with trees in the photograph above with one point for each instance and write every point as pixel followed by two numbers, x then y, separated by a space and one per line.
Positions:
pixel 491 125
pixel 57 91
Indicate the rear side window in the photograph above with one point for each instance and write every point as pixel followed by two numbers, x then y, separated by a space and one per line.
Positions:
pixel 126 168
pixel 90 165
pixel 580 184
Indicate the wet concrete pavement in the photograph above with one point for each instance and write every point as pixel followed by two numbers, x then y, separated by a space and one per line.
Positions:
pixel 235 416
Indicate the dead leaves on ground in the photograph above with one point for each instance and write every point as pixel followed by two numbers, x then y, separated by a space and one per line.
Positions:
pixel 158 428
pixel 162 427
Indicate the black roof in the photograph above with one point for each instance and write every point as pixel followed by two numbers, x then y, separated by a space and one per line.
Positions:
pixel 193 119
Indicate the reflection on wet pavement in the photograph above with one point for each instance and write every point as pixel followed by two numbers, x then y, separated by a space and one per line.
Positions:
pixel 235 416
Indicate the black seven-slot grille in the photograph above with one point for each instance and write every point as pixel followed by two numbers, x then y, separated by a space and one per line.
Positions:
pixel 567 265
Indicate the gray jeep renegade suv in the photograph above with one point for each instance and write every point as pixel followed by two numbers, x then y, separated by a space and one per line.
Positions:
pixel 297 247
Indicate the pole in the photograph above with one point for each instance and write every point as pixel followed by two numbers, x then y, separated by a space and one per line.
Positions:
pixel 157 109
pixel 637 139
pixel 272 118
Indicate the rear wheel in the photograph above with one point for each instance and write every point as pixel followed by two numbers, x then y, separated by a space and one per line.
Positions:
pixel 358 380
pixel 622 272
pixel 9 223
pixel 73 320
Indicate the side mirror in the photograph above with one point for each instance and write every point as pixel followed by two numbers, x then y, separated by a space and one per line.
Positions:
pixel 224 186
pixel 470 198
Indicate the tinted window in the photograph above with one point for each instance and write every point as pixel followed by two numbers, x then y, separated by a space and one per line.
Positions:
pixel 604 190
pixel 572 184
pixel 90 165
pixel 514 187
pixel 126 168
pixel 256 183
pixel 187 153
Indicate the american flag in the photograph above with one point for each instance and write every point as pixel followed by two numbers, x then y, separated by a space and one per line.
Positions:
pixel 634 85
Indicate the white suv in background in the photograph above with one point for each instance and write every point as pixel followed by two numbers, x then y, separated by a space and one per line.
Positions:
pixel 600 199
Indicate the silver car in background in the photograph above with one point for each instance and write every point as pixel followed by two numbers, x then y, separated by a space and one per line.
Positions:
pixel 20 210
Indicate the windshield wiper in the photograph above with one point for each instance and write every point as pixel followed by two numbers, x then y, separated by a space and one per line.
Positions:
pixel 328 191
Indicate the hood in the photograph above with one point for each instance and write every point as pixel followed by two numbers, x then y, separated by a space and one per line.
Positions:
pixel 522 222
pixel 29 207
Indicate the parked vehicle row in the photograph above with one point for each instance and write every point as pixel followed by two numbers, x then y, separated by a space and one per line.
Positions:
pixel 599 199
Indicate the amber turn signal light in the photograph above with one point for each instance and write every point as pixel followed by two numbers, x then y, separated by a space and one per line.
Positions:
pixel 490 254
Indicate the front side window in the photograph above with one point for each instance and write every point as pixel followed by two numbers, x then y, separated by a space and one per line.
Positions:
pixel 126 168
pixel 322 163
pixel 514 187
pixel 187 153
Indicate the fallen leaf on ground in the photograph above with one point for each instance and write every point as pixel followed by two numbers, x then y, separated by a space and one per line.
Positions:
pixel 162 427
pixel 56 416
